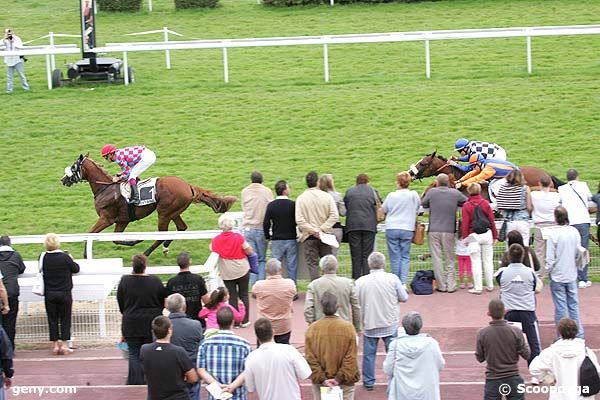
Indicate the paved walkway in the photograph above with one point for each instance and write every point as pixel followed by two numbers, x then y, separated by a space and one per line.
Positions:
pixel 453 319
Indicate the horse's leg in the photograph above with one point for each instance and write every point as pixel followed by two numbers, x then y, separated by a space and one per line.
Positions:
pixel 120 227
pixel 163 225
pixel 181 226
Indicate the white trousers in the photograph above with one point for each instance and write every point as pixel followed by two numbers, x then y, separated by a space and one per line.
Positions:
pixel 520 226
pixel 147 159
pixel 500 155
pixel 482 259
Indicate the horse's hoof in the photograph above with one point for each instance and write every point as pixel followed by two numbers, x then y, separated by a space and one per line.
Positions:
pixel 165 251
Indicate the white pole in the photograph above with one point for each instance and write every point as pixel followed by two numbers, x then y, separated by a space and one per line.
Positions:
pixel 427 60
pixel 225 65
pixel 48 72
pixel 167 52
pixel 52 58
pixel 125 69
pixel 149 5
pixel 326 62
pixel 529 60
pixel 331 2
pixel 89 244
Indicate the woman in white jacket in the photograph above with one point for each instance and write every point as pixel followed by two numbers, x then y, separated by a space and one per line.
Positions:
pixel 413 363
pixel 559 364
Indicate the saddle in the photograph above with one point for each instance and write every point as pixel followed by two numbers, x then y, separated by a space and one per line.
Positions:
pixel 147 189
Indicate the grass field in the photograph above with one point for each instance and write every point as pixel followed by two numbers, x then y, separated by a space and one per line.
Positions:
pixel 377 115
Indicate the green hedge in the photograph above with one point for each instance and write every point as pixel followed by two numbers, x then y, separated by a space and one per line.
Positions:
pixel 288 3
pixel 180 4
pixel 119 5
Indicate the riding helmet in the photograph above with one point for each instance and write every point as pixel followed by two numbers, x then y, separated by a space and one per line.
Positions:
pixel 108 149
pixel 461 144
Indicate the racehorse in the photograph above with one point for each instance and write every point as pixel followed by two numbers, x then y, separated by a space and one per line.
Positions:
pixel 433 164
pixel 173 197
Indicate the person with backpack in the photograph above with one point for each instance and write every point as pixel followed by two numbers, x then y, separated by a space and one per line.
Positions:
pixel 478 228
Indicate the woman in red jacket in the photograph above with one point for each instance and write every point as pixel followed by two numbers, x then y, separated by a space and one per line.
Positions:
pixel 480 228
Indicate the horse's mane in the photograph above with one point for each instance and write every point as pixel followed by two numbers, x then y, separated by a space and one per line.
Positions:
pixel 438 156
pixel 100 167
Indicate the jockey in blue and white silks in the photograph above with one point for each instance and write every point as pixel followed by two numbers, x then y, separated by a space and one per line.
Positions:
pixel 487 150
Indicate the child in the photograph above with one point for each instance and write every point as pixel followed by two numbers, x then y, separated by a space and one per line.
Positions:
pixel 219 299
pixel 465 274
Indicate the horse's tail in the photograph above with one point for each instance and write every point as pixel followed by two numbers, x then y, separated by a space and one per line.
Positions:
pixel 557 182
pixel 217 203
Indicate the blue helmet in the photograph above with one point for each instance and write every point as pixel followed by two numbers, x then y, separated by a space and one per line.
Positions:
pixel 461 144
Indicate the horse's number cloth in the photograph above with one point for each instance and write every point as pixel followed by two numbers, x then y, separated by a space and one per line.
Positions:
pixel 147 188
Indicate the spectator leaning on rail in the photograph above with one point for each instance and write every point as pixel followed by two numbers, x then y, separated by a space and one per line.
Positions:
pixel 326 184
pixel 361 223
pixel 378 294
pixel 348 308
pixel 255 198
pixel 443 203
pixel 141 298
pixel 167 367
pixel 517 290
pixel 274 369
pixel 559 364
pixel 562 251
pixel 500 346
pixel 58 268
pixel 401 208
pixel 11 266
pixel 543 202
pixel 14 63
pixel 331 351
pixel 191 286
pixel 281 217
pixel 222 357
pixel 316 213
pixel 274 298
pixel 186 333
pixel 575 197
pixel 133 161
pixel 413 363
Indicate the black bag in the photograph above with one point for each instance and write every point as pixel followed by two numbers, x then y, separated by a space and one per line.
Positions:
pixel 422 282
pixel 480 223
pixel 502 233
pixel 589 381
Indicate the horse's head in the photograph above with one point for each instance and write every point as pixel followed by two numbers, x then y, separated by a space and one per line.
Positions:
pixel 73 174
pixel 425 167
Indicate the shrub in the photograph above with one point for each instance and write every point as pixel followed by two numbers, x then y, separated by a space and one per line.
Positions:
pixel 180 4
pixel 119 5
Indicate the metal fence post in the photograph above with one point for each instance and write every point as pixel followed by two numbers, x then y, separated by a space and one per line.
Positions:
pixel 167 52
pixel 225 65
pixel 326 62
pixel 427 60
pixel 529 59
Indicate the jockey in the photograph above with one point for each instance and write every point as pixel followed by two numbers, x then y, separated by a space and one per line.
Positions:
pixel 133 161
pixel 467 148
pixel 486 170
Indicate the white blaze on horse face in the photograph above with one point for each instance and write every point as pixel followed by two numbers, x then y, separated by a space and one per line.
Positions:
pixel 68 172
pixel 414 170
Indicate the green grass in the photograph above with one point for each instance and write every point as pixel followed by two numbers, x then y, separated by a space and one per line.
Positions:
pixel 378 115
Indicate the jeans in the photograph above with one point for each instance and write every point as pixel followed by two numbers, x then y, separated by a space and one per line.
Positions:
pixel 584 232
pixel 287 250
pixel 370 354
pixel 529 322
pixel 256 239
pixel 398 244
pixel 494 386
pixel 2 393
pixel 10 71
pixel 566 303
pixel 135 376
pixel 238 288
pixel 194 391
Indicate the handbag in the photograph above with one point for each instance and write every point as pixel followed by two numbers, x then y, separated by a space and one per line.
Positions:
pixel 38 286
pixel 379 213
pixel 589 381
pixel 419 235
pixel 503 229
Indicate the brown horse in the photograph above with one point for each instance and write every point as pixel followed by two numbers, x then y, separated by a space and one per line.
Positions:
pixel 173 197
pixel 433 164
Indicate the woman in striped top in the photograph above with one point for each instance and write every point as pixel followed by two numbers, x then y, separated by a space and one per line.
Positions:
pixel 514 203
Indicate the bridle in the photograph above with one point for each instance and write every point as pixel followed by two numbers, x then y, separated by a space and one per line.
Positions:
pixel 76 173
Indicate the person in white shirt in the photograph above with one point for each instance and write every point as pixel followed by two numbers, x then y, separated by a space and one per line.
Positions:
pixel 13 63
pixel 575 197
pixel 544 203
pixel 274 369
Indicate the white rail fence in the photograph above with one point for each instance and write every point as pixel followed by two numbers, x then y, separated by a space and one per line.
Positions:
pixel 325 40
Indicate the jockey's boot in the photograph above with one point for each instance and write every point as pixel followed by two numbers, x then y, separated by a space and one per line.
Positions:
pixel 135 195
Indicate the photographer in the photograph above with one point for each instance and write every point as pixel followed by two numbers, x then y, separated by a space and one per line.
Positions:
pixel 14 63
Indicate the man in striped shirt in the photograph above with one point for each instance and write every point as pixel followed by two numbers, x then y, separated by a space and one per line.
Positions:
pixel 222 357
pixel 133 161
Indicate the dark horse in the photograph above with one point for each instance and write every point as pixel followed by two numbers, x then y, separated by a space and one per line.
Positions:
pixel 173 197
pixel 433 164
